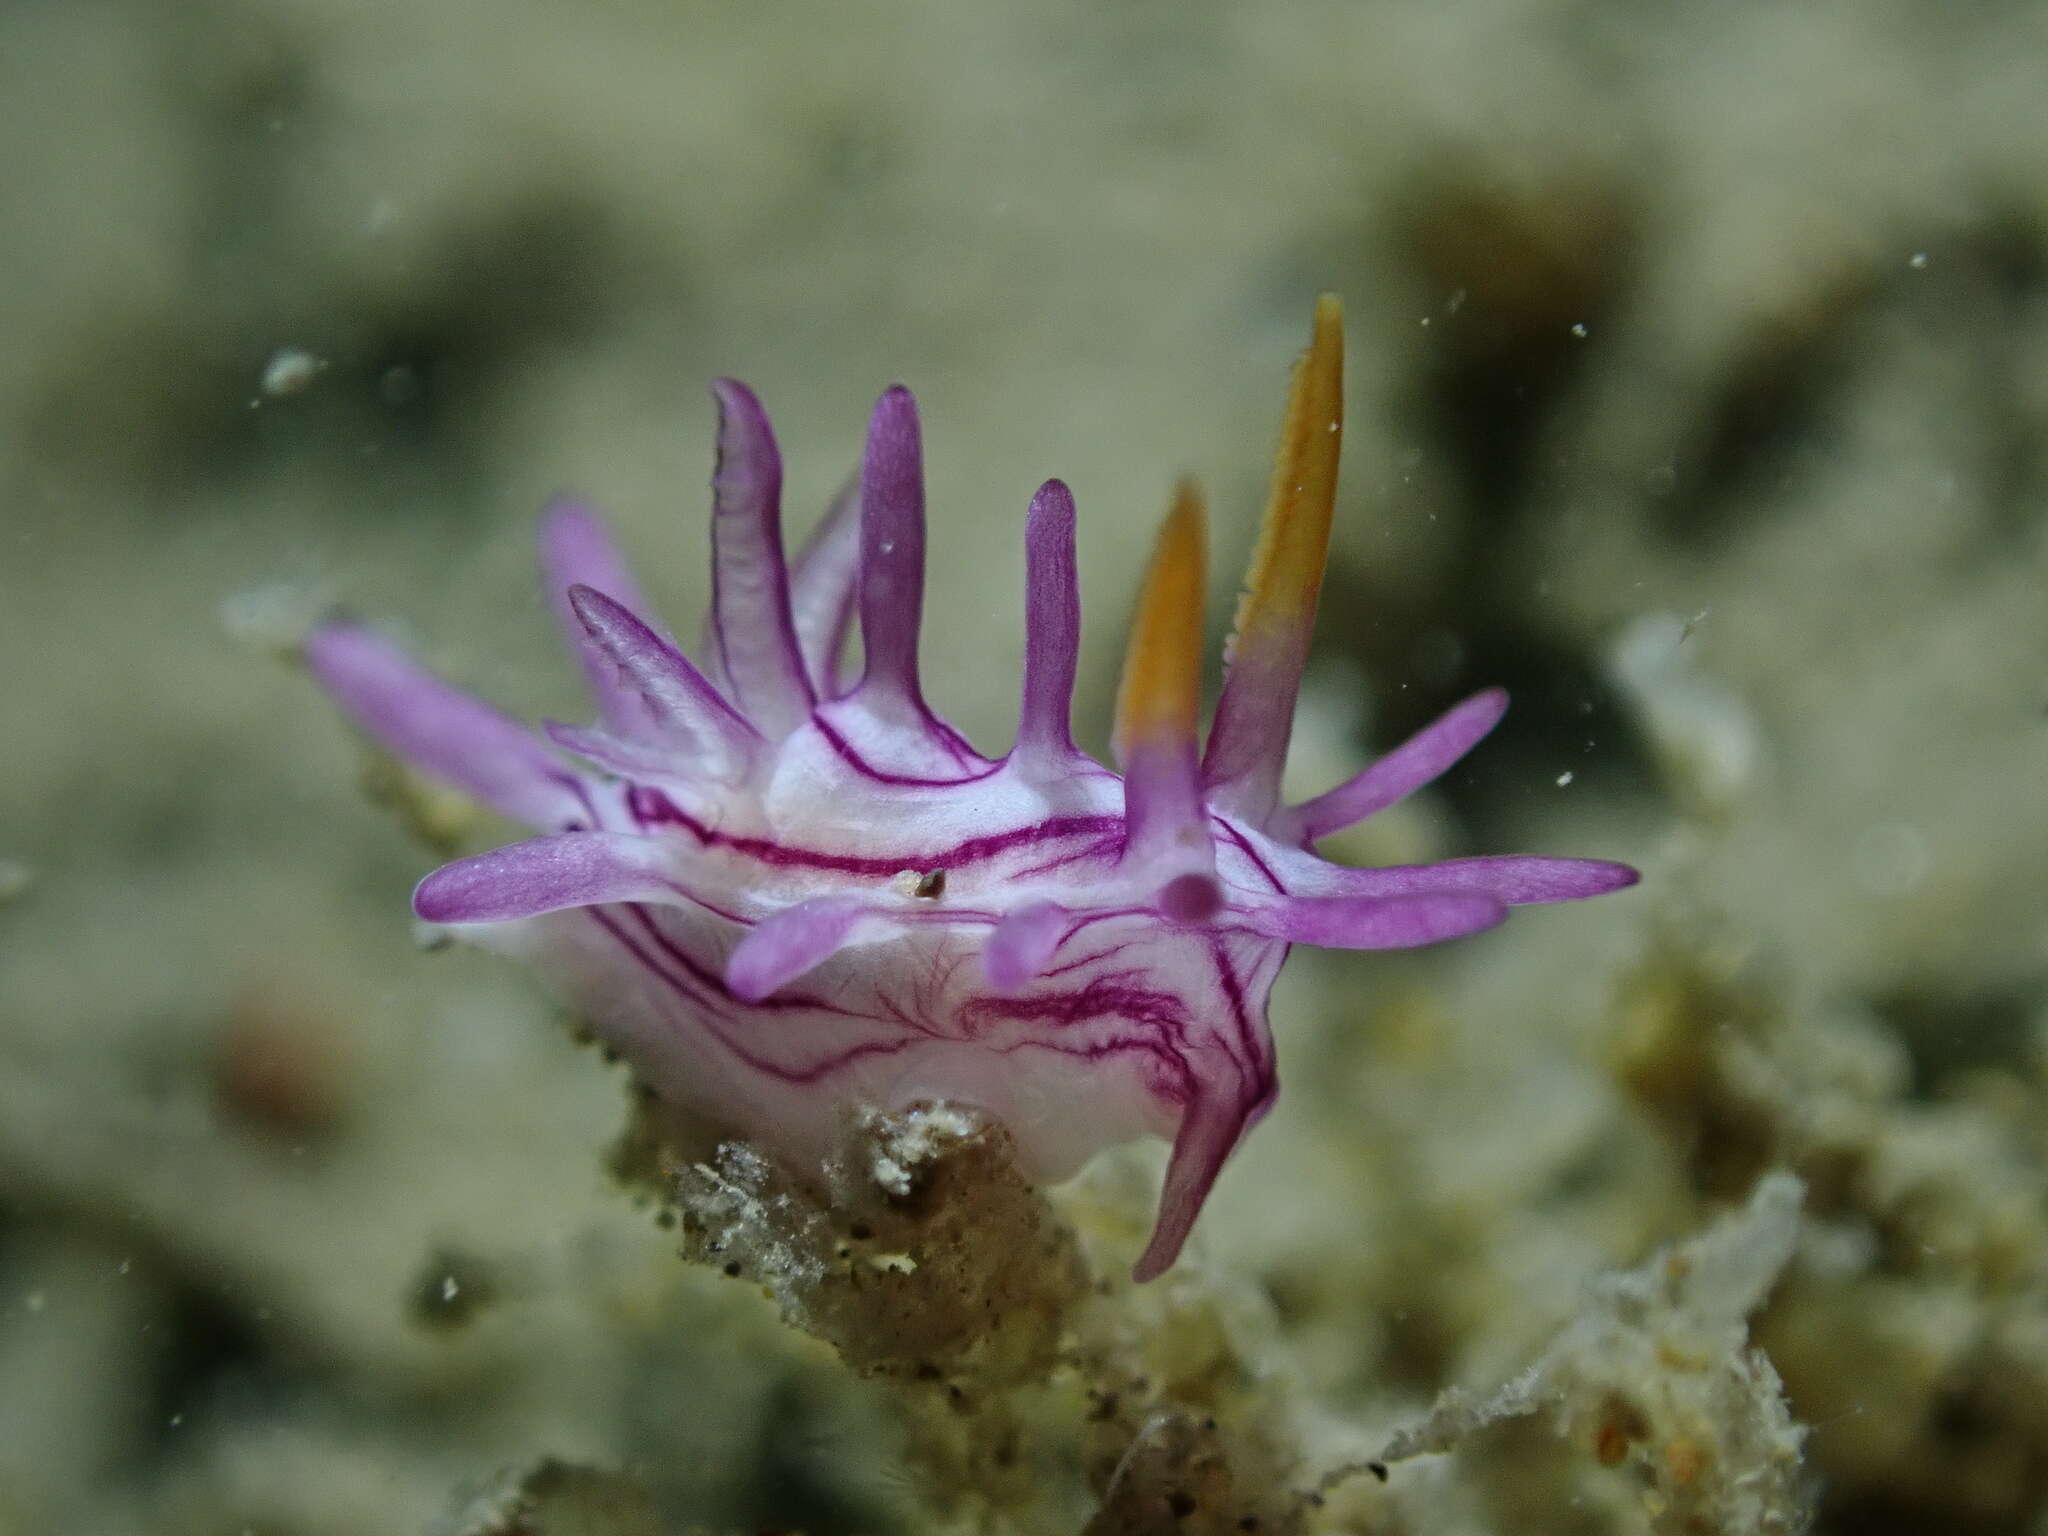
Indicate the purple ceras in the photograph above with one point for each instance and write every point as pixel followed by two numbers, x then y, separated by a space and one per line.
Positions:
pixel 781 893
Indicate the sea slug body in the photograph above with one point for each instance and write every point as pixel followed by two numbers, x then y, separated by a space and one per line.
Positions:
pixel 780 891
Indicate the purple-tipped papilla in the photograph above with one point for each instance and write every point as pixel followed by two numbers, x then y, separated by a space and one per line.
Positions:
pixel 780 891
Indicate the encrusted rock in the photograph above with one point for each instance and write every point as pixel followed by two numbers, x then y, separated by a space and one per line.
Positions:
pixel 921 1253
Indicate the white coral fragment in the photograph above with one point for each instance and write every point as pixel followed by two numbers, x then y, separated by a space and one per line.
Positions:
pixel 1705 735
pixel 1657 1370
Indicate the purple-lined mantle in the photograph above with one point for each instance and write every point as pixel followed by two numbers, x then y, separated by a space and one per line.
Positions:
pixel 780 891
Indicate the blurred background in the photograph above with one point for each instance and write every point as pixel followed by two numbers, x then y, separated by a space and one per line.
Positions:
pixel 1698 392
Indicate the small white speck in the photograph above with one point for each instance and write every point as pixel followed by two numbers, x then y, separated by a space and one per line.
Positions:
pixel 1564 779
pixel 1579 329
pixel 1917 261
pixel 890 1174
pixel 1425 319
pixel 449 1289
pixel 176 1419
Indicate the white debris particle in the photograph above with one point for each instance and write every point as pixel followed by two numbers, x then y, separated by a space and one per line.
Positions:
pixel 1579 329
pixel 290 370
pixel 1564 779
pixel 912 1140
pixel 1917 261
pixel 890 1174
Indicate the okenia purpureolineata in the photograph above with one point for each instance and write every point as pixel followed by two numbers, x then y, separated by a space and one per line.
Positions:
pixel 780 894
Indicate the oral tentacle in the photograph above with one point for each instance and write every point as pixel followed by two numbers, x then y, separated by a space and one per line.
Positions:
pixel 1022 945
pixel 1276 616
pixel 548 874
pixel 793 942
pixel 449 733
pixel 751 619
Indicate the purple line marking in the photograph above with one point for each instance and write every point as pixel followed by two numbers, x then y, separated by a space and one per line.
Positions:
pixel 1233 993
pixel 683 989
pixel 1105 849
pixel 708 1019
pixel 1245 847
pixel 861 765
pixel 704 976
pixel 651 808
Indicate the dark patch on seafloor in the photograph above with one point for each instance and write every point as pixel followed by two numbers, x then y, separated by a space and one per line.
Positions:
pixel 1519 283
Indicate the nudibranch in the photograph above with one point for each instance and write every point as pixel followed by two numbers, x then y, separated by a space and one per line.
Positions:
pixel 781 891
